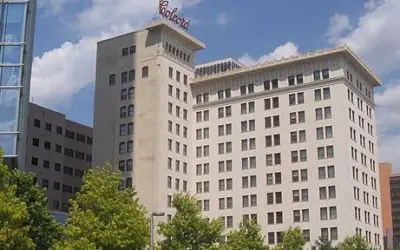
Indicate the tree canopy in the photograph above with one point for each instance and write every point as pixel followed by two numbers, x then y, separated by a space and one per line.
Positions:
pixel 292 239
pixel 104 217
pixel 247 237
pixel 354 243
pixel 30 203
pixel 188 228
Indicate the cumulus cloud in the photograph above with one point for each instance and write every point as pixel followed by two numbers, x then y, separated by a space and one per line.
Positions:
pixel 338 25
pixel 53 7
pixel 60 73
pixel 223 19
pixel 374 38
pixel 283 51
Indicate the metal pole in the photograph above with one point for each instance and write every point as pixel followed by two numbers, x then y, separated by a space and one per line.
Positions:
pixel 151 232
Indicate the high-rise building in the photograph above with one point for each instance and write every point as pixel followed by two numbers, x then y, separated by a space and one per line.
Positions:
pixel 395 202
pixel 290 142
pixel 58 152
pixel 385 172
pixel 17 19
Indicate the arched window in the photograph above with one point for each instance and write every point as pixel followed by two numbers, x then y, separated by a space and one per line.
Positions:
pixel 173 50
pixel 184 56
pixel 188 58
pixel 166 45
pixel 181 54
pixel 145 72
pixel 177 52
pixel 229 65
pixel 170 48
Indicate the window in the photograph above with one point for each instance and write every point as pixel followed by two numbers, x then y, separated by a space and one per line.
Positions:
pixel 325 73
pixel 130 110
pixel 178 76
pixel 48 126
pixel 145 72
pixel 124 77
pixel 299 78
pixel 131 75
pixel 170 72
pixel 35 142
pixel 185 79
pixel 122 148
pixel 59 130
pixel 132 49
pixel 36 123
pixel 125 51
pixel 291 80
pixel 111 80
pixel 68 170
pixel 122 112
pixel 317 75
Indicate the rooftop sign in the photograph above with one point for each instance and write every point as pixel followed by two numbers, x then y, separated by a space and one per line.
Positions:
pixel 171 14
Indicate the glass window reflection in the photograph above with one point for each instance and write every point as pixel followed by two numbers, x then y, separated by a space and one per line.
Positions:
pixel 10 54
pixel 12 20
pixel 10 76
pixel 9 104
pixel 8 144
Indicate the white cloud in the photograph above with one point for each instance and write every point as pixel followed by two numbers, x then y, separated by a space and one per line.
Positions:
pixel 389 150
pixel 375 37
pixel 283 51
pixel 60 73
pixel 338 25
pixel 388 108
pixel 223 19
pixel 53 7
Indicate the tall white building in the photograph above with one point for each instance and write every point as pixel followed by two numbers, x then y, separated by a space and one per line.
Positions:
pixel 287 143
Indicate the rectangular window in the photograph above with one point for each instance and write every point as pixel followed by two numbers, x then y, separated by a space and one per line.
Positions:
pixel 131 75
pixel 317 75
pixel 325 73
pixel 111 80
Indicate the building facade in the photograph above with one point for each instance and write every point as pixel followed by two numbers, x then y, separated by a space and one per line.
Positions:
pixel 395 201
pixel 58 152
pixel 17 19
pixel 385 172
pixel 281 142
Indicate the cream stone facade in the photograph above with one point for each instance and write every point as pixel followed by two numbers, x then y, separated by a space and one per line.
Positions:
pixel 287 143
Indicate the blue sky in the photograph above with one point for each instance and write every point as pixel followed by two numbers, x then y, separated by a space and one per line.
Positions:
pixel 252 31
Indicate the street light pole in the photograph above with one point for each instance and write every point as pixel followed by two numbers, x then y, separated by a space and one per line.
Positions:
pixel 154 214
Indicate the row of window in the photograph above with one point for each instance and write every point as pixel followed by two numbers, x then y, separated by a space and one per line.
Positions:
pixel 68 134
pixel 250 144
pixel 178 111
pixel 177 76
pixel 178 147
pixel 129 50
pixel 125 147
pixel 178 165
pixel 367 217
pixel 177 184
pixel 127 94
pixel 126 111
pixel 184 130
pixel 57 167
pixel 183 55
pixel 359 85
pixel 58 149
pixel 57 187
pixel 177 93
pixel 127 76
pixel 268 85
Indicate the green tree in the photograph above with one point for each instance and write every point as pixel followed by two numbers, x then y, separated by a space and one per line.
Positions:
pixel 42 228
pixel 324 244
pixel 292 239
pixel 13 220
pixel 247 237
pixel 103 217
pixel 354 243
pixel 13 214
pixel 188 228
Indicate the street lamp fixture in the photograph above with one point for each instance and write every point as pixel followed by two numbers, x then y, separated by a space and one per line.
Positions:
pixel 154 214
